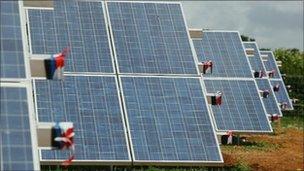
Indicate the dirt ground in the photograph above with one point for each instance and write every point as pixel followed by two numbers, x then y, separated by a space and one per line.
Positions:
pixel 281 151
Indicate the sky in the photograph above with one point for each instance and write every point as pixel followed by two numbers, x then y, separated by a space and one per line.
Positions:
pixel 273 24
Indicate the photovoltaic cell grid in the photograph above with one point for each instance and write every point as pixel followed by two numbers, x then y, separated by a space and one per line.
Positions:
pixel 270 64
pixel 169 120
pixel 15 140
pixel 282 95
pixel 12 60
pixel 43 32
pixel 79 25
pixel 150 38
pixel 241 108
pixel 92 104
pixel 226 51
pixel 270 102
pixel 255 61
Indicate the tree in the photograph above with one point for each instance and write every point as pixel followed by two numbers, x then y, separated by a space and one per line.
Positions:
pixel 247 39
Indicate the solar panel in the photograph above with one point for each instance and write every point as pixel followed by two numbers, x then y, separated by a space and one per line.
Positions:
pixel 282 95
pixel 270 63
pixel 92 104
pixel 169 120
pixel 80 25
pixel 150 38
pixel 270 102
pixel 255 61
pixel 241 109
pixel 12 60
pixel 43 33
pixel 226 51
pixel 15 141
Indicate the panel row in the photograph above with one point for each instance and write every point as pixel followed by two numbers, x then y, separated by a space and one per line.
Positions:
pixel 241 109
pixel 167 119
pixel 147 38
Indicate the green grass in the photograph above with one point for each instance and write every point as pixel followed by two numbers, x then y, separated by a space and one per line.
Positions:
pixel 291 119
pixel 241 166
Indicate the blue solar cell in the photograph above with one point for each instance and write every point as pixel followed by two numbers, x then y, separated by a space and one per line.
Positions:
pixel 150 38
pixel 255 61
pixel 226 51
pixel 12 60
pixel 15 141
pixel 92 104
pixel 270 102
pixel 241 109
pixel 169 120
pixel 282 95
pixel 80 25
pixel 271 64
pixel 43 33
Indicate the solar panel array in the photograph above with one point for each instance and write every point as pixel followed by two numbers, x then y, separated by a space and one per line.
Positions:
pixel 256 63
pixel 92 104
pixel 241 109
pixel 158 50
pixel 12 59
pixel 145 103
pixel 226 51
pixel 270 64
pixel 15 140
pixel 150 38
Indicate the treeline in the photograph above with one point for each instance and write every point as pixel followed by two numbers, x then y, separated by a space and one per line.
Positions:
pixel 293 68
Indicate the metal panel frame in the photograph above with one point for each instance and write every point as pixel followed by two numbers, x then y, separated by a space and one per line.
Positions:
pixel 227 31
pixel 170 162
pixel 32 121
pixel 219 131
pixel 155 2
pixel 109 36
pixel 90 162
pixel 24 46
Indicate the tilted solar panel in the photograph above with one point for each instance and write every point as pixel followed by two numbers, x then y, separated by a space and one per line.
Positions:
pixel 168 120
pixel 15 141
pixel 270 102
pixel 92 104
pixel 255 61
pixel 150 38
pixel 12 59
pixel 225 50
pixel 43 33
pixel 79 25
pixel 270 63
pixel 282 94
pixel 241 109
